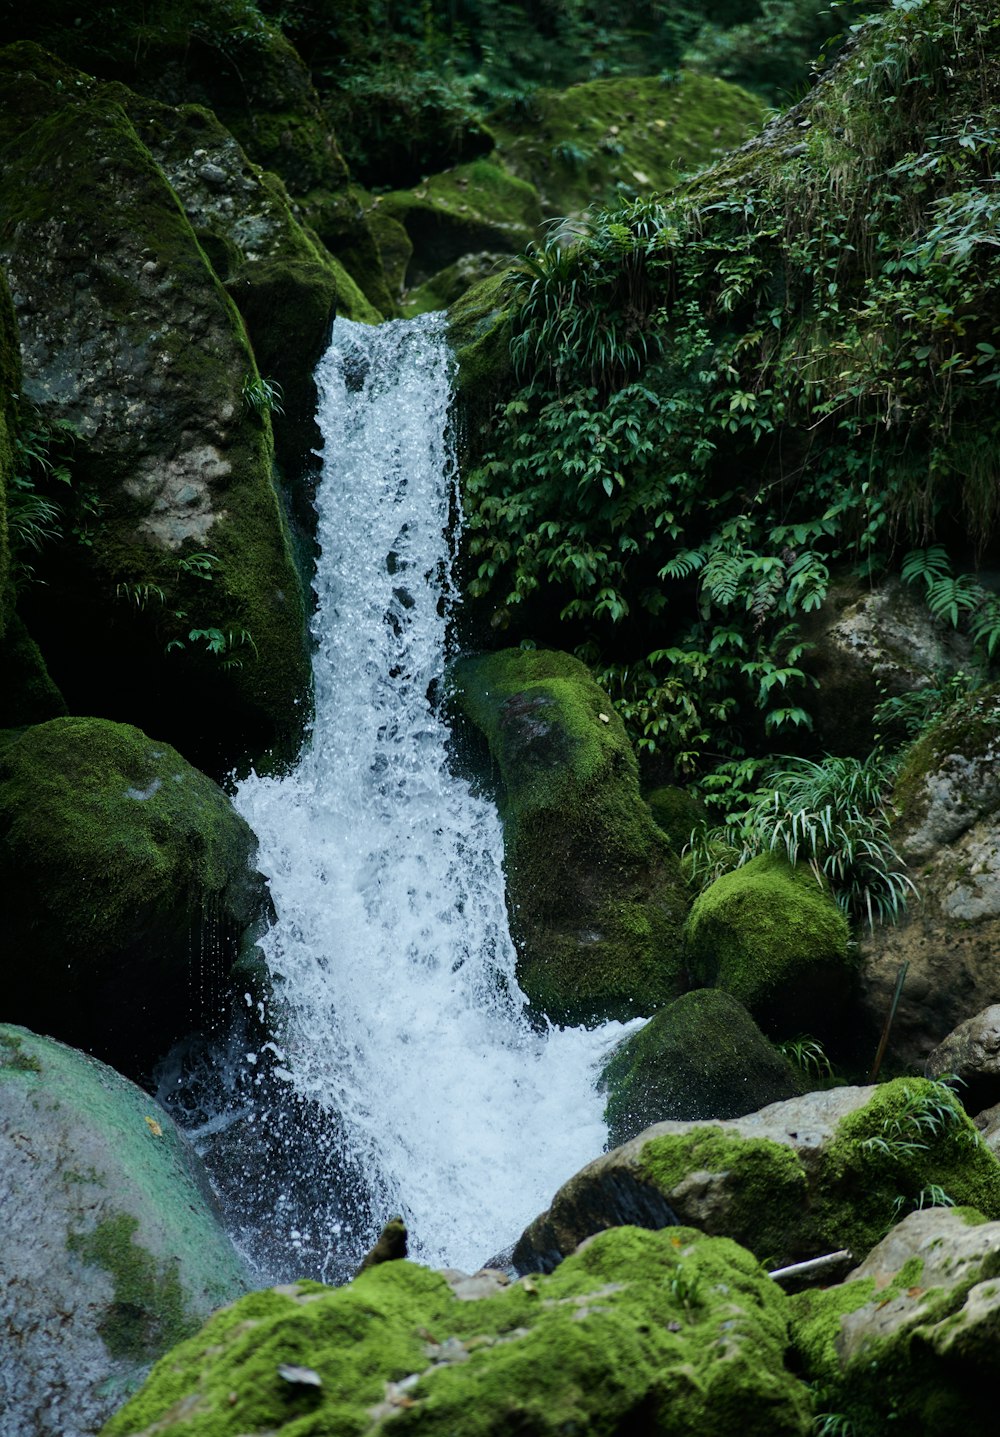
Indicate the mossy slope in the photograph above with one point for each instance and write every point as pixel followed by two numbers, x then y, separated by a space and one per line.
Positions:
pixel 113 1248
pixel 130 888
pixel 658 1332
pixel 594 892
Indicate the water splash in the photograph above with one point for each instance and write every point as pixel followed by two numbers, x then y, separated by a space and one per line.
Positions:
pixel 392 949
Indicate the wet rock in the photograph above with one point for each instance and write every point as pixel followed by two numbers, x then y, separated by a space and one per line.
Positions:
pixel 595 894
pixel 798 1179
pixel 972 1055
pixel 702 1056
pixel 129 889
pixel 112 1250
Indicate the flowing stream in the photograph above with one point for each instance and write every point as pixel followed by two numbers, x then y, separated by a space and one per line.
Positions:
pixel 392 951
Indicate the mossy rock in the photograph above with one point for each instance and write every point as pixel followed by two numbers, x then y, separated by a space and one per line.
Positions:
pixel 677 811
pixel 113 1245
pixel 128 337
pixel 479 330
pixel 130 889
pixel 772 936
pixel 473 207
pixel 595 895
pixel 812 1175
pixel 911 1337
pixel 702 1056
pixel 613 138
pixel 449 285
pixel 638 1331
pixel 27 693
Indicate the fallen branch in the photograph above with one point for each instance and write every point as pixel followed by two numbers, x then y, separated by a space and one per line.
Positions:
pixel 813 1265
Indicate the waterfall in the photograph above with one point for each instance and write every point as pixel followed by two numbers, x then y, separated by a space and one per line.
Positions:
pixel 391 952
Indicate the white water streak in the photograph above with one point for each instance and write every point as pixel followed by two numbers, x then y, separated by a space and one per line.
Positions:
pixel 392 946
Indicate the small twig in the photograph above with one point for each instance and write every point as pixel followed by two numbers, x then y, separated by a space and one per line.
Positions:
pixel 883 1041
pixel 814 1264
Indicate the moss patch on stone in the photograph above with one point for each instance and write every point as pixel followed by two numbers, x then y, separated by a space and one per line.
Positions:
pixel 594 891
pixel 670 1330
pixel 621 137
pixel 772 936
pixel 148 1312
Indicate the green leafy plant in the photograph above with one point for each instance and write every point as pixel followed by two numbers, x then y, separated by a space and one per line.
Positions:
pixel 809 1056
pixel 927 1114
pixel 831 815
pixel 263 396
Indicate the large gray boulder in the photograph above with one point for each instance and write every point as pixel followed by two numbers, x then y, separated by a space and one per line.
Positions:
pixel 796 1180
pixel 112 1245
pixel 912 1337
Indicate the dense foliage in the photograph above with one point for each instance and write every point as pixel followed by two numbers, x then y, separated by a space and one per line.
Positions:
pixel 790 364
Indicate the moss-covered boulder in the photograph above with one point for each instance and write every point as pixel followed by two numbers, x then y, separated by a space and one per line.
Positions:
pixel 801 1178
pixel 112 1245
pixel 677 811
pixel 473 207
pixel 594 892
pixel 947 798
pixel 479 331
pixel 171 599
pixel 638 1331
pixel 912 1337
pixel 129 889
pixel 625 136
pixel 286 284
pixel 702 1056
pixel 772 936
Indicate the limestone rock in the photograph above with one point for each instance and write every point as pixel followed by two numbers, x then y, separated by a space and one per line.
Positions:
pixel 112 1245
pixel 948 797
pixel 172 598
pixel 812 1175
pixel 772 936
pixel 129 889
pixel 595 893
pixel 972 1054
pixel 702 1056
pixel 912 1334
pixel 869 644
pixel 664 1333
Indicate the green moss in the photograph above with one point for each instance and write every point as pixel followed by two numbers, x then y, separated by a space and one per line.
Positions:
pixel 766 1185
pixel 13 1056
pixel 597 141
pixel 473 207
pixel 587 1348
pixel 148 1312
pixel 595 893
pixel 479 330
pixel 141 861
pixel 676 811
pixel 700 1057
pixel 968 731
pixel 28 695
pixel 772 936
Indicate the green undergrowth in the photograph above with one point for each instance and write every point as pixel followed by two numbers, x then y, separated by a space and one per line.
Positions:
pixel 790 364
pixel 670 1329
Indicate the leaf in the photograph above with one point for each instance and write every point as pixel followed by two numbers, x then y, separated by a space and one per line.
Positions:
pixel 154 1127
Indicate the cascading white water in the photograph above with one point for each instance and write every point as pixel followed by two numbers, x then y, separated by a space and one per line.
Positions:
pixel 392 948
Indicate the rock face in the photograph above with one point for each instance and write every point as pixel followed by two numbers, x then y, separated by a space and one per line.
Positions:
pixel 948 797
pixel 798 1179
pixel 653 1332
pixel 867 645
pixel 112 1247
pixel 172 595
pixel 911 1336
pixel 595 895
pixel 702 1056
pixel 972 1054
pixel 772 936
pixel 129 889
